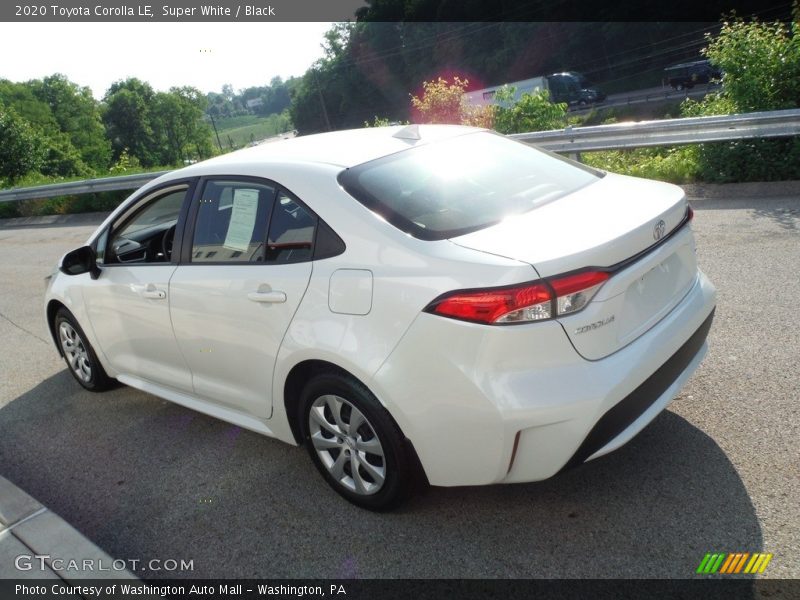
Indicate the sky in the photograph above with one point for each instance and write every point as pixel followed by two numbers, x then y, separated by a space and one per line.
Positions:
pixel 203 55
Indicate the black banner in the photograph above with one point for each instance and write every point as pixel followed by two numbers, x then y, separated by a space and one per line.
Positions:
pixel 415 589
pixel 385 10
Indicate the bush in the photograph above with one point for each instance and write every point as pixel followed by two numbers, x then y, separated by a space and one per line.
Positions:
pixel 532 112
pixel 761 66
pixel 676 165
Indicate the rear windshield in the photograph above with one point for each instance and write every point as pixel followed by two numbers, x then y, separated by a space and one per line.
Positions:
pixel 463 184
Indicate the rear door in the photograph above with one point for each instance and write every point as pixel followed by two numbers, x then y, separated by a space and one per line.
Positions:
pixel 246 264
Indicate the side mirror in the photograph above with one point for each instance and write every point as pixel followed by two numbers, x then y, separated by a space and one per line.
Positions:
pixel 82 260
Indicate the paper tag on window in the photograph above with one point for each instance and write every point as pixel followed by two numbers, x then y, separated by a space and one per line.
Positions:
pixel 243 220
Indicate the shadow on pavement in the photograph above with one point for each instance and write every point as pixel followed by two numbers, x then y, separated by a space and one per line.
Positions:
pixel 147 479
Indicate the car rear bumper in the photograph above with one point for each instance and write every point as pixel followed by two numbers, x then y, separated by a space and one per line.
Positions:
pixel 511 404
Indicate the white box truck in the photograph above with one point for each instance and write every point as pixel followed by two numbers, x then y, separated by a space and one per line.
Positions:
pixel 569 86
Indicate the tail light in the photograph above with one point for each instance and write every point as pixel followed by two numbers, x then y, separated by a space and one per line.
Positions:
pixel 524 303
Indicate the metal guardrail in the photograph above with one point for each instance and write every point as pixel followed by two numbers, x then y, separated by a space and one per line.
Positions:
pixel 87 186
pixel 669 132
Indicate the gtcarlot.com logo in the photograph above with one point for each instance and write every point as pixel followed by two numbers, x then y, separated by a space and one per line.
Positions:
pixel 732 563
pixel 43 562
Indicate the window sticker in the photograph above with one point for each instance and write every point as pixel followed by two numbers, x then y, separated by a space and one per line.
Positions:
pixel 243 220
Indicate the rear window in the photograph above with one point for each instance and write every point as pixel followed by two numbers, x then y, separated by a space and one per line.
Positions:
pixel 463 184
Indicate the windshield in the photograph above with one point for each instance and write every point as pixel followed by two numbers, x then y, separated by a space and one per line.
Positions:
pixel 450 188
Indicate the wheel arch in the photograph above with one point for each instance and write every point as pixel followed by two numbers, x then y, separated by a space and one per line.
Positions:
pixel 293 386
pixel 52 308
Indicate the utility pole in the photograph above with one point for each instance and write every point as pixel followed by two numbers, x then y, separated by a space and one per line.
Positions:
pixel 214 125
pixel 321 100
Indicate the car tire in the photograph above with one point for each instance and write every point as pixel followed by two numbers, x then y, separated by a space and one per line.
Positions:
pixel 373 467
pixel 82 362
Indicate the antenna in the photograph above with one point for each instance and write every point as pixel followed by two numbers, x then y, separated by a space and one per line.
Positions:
pixel 409 132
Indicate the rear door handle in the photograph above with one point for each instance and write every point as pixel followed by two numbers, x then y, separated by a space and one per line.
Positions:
pixel 150 291
pixel 275 297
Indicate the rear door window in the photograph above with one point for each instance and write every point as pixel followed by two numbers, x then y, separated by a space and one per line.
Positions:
pixel 232 222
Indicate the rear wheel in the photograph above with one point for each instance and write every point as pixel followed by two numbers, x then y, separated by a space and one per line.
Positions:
pixel 79 354
pixel 354 443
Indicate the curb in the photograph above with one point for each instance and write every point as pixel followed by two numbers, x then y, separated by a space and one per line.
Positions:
pixel 32 531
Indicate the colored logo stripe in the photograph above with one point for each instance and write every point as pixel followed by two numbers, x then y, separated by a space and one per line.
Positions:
pixel 734 562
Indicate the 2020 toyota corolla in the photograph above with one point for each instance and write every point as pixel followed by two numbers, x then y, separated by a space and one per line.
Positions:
pixel 411 303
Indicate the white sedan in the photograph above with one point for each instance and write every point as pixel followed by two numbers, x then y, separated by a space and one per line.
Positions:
pixel 420 303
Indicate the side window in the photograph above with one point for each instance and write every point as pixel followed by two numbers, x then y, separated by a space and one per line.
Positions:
pixel 146 234
pixel 232 222
pixel 291 231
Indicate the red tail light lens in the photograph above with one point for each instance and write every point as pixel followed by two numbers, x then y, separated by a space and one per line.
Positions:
pixel 536 301
pixel 689 212
pixel 496 305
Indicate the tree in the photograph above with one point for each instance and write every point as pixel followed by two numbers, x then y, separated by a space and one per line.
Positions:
pixel 761 71
pixel 59 155
pixel 532 112
pixel 444 102
pixel 441 101
pixel 127 120
pixel 21 147
pixel 177 119
pixel 78 116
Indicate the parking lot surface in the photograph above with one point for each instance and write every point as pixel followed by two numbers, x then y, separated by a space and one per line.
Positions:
pixel 146 479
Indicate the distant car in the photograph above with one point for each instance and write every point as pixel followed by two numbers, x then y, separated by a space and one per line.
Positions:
pixel 411 303
pixel 687 75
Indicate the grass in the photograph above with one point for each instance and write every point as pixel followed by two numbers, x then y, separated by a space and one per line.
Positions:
pixel 675 165
pixel 237 132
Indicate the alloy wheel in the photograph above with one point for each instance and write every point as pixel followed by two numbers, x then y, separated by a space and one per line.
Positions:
pixel 75 352
pixel 347 445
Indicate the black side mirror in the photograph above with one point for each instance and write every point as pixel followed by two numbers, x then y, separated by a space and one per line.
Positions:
pixel 82 260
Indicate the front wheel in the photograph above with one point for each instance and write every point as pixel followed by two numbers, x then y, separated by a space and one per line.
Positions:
pixel 354 443
pixel 79 354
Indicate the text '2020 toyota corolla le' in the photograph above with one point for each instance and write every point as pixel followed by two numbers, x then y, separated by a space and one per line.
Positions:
pixel 433 302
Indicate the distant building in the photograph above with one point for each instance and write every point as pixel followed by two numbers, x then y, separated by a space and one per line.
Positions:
pixel 255 102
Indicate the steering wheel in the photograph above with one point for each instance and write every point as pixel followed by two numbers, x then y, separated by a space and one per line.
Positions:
pixel 166 243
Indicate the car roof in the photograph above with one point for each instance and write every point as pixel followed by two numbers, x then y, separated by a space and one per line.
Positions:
pixel 341 148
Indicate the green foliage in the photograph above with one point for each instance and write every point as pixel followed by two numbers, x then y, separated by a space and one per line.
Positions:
pixel 20 146
pixel 157 127
pixel 441 101
pixel 264 100
pixel 377 122
pixel 125 164
pixel 78 117
pixel 444 102
pixel 676 165
pixel 761 66
pixel 240 131
pixel 532 112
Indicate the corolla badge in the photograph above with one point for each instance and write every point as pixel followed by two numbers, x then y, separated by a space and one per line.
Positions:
pixel 659 229
pixel 595 325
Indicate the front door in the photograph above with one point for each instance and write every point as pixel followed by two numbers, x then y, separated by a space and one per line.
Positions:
pixel 128 304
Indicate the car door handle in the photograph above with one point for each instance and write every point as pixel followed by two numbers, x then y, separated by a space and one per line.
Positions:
pixel 150 291
pixel 267 296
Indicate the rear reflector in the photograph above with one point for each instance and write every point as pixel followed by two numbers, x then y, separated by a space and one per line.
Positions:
pixel 528 302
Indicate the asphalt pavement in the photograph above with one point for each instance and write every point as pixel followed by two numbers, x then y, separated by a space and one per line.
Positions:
pixel 148 480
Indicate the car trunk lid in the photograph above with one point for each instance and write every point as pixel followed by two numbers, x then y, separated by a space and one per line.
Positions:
pixel 619 224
